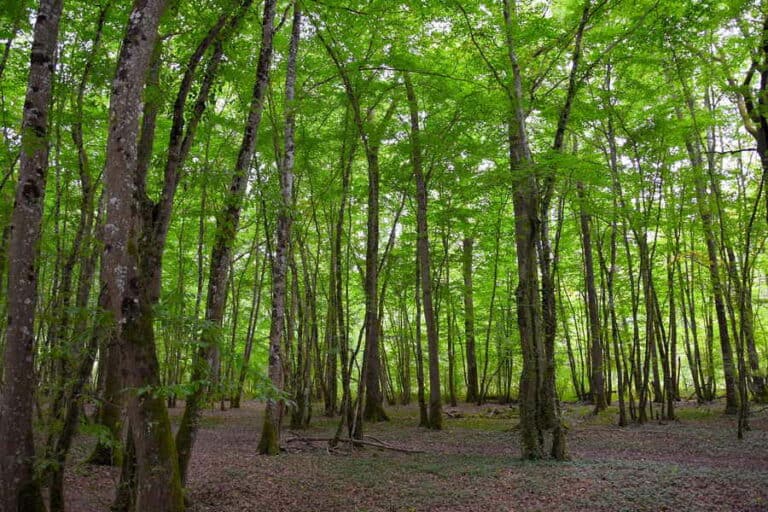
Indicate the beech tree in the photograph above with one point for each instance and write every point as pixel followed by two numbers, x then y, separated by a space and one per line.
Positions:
pixel 518 204
pixel 125 267
pixel 20 488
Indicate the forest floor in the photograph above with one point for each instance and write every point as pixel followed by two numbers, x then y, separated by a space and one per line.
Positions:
pixel 692 464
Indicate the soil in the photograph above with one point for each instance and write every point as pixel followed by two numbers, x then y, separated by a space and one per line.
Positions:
pixel 692 464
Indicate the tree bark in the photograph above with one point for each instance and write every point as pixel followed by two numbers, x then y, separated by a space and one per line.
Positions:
pixel 435 401
pixel 270 434
pixel 158 486
pixel 19 489
pixel 469 320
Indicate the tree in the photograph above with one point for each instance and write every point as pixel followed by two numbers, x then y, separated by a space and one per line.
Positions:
pixel 469 321
pixel 206 360
pixel 435 400
pixel 19 488
pixel 270 435
pixel 129 300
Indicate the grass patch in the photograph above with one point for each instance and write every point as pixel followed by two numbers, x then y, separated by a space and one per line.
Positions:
pixel 699 412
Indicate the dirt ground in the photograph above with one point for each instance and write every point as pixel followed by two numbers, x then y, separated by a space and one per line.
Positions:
pixel 693 464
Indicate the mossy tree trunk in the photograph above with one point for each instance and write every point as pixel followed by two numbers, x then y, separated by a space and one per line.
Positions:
pixel 158 486
pixel 539 417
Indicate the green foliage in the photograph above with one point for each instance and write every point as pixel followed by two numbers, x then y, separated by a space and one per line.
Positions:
pixel 654 77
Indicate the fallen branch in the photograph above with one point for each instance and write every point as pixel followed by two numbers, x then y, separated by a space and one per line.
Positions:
pixel 377 440
pixel 355 442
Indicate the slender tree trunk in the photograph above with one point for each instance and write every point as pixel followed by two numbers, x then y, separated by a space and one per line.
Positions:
pixel 435 401
pixel 270 434
pixel 371 140
pixel 575 381
pixel 418 353
pixel 469 320
pixel 704 204
pixel 226 231
pixel 258 281
pixel 331 386
pixel 548 259
pixel 693 362
pixel 70 422
pixel 83 250
pixel 374 398
pixel 597 384
pixel 346 160
pixel 109 412
pixel 615 331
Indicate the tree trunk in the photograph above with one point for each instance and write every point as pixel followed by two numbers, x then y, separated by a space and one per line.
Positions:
pixel 370 138
pixel 226 231
pixel 270 434
pixel 158 485
pixel 469 320
pixel 703 202
pixel 533 380
pixel 19 489
pixel 597 385
pixel 374 398
pixel 418 353
pixel 435 402
pixel 258 281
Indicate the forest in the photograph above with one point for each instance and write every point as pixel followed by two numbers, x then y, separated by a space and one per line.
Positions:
pixel 383 255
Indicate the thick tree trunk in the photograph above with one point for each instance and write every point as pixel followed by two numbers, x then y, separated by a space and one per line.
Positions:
pixel 19 489
pixel 534 384
pixel 158 485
